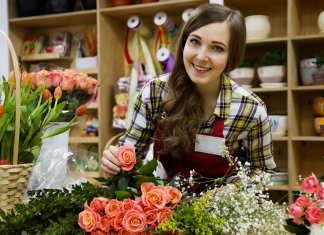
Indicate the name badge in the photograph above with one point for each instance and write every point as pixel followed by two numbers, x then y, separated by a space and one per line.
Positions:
pixel 209 144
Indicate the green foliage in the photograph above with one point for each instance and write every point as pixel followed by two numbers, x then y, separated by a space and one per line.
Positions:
pixel 54 211
pixel 36 114
pixel 298 229
pixel 247 62
pixel 274 58
pixel 319 61
pixel 193 217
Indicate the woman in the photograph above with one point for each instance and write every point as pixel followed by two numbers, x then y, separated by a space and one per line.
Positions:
pixel 190 113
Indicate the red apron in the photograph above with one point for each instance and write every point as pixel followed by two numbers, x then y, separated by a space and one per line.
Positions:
pixel 208 165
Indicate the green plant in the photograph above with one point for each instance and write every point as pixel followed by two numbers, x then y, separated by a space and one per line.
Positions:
pixel 273 58
pixel 319 61
pixel 247 61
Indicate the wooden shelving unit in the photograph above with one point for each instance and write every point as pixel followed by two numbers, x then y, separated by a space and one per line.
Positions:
pixel 293 28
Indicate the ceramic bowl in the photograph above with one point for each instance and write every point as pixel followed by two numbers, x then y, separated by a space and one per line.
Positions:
pixel 273 73
pixel 307 67
pixel 257 27
pixel 279 124
pixel 318 106
pixel 242 76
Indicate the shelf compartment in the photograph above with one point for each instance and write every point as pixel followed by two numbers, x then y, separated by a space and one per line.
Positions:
pixel 44 56
pixel 56 20
pixel 90 71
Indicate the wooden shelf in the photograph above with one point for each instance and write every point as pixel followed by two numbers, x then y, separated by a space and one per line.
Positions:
pixel 89 71
pixel 261 90
pixel 283 187
pixel 93 105
pixel 83 140
pixel 308 138
pixel 308 88
pixel 45 56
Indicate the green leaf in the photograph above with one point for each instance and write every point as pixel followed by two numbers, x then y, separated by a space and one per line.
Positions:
pixel 141 179
pixel 298 229
pixel 149 167
pixel 123 182
pixel 60 130
pixel 121 195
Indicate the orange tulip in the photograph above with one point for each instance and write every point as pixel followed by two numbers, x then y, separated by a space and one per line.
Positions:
pixel 12 80
pixel 1 110
pixel 47 94
pixel 58 93
pixel 81 110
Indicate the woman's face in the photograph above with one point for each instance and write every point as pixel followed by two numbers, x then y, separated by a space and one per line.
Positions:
pixel 205 54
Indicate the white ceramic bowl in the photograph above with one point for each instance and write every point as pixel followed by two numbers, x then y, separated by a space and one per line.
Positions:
pixel 279 124
pixel 273 73
pixel 243 75
pixel 307 67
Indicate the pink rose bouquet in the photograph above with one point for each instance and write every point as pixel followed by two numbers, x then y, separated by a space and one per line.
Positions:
pixel 136 204
pixel 308 209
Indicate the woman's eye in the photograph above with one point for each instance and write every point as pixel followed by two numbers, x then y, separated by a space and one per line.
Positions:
pixel 218 48
pixel 194 42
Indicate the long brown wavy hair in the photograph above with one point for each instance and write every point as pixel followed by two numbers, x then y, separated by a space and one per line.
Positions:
pixel 182 105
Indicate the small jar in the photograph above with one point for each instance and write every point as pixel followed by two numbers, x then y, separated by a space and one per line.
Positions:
pixel 320 22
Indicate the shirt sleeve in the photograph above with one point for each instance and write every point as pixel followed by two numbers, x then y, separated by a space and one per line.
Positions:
pixel 141 132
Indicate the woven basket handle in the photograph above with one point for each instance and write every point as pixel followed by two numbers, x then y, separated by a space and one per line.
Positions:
pixel 17 76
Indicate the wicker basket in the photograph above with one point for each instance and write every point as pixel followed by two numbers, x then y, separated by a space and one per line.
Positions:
pixel 14 178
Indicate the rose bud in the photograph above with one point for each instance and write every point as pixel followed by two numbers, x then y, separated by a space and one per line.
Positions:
pixel 81 110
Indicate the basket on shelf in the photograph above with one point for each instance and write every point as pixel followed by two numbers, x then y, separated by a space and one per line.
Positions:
pixel 14 178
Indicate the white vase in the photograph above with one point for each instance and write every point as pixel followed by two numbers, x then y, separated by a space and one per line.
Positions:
pixel 257 27
pixel 51 167
pixel 320 22
pixel 317 229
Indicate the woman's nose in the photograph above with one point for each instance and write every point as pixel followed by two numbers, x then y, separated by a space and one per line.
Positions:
pixel 202 54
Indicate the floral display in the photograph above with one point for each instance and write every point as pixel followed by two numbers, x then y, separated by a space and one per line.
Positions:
pixel 307 212
pixel 44 97
pixel 150 207
pixel 243 208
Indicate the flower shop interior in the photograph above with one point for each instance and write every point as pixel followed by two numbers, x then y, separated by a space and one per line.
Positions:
pixel 77 35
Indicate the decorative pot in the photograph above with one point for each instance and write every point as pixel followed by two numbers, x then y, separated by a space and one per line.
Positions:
pixel 279 124
pixel 242 75
pixel 257 27
pixel 271 74
pixel 318 106
pixel 318 77
pixel 320 22
pixel 116 3
pixel 307 67
pixel 60 6
pixel 30 7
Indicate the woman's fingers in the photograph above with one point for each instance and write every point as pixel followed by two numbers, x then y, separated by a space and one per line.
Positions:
pixel 109 162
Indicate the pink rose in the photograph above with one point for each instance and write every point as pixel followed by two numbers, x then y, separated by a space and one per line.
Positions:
pixel 88 219
pixel 127 204
pixel 104 223
pixel 304 201
pixel 98 204
pixel 68 82
pixel 99 232
pixel 117 221
pixel 320 192
pixel 175 195
pixel 42 77
pixel 164 213
pixel 134 221
pixel 127 157
pixel 296 211
pixel 156 197
pixel 113 207
pixel 151 214
pixel 310 184
pixel 56 77
pixel 314 214
pixel 81 80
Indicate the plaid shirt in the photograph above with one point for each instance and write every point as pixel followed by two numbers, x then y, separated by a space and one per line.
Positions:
pixel 246 127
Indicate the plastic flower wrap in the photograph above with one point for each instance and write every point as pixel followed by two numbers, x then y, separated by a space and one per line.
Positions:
pixel 77 88
pixel 41 103
pixel 307 212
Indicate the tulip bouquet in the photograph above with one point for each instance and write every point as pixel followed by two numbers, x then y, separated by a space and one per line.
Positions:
pixel 307 212
pixel 39 106
pixel 77 89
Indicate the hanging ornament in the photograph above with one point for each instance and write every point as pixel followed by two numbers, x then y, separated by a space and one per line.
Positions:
pixel 166 58
pixel 186 14
pixel 162 19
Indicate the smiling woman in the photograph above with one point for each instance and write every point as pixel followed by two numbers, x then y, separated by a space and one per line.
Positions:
pixel 195 109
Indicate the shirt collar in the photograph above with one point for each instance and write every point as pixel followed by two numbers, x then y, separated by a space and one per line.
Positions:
pixel 224 98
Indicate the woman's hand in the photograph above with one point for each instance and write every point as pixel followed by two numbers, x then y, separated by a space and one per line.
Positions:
pixel 109 162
